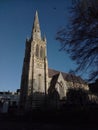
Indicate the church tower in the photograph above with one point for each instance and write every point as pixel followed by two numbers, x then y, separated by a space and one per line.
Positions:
pixel 34 79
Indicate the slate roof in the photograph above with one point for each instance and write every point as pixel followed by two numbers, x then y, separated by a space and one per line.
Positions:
pixel 66 76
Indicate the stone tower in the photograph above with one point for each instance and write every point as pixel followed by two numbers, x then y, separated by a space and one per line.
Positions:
pixel 34 79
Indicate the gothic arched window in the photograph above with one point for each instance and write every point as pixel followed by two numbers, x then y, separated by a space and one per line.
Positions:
pixel 61 89
pixel 37 50
pixel 61 84
pixel 42 53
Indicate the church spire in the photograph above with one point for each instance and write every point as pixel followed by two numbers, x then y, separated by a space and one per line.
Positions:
pixel 36 33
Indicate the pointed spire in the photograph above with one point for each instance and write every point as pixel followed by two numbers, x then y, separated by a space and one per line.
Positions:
pixel 36 33
pixel 44 38
pixel 36 21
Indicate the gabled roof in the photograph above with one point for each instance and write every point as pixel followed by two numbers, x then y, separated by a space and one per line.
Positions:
pixel 52 72
pixel 67 76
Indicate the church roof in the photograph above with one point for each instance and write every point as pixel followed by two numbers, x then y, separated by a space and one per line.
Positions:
pixel 52 72
pixel 67 76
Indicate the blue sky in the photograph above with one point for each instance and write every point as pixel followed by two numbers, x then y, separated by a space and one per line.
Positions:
pixel 16 21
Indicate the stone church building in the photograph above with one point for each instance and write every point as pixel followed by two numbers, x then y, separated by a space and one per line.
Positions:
pixel 37 80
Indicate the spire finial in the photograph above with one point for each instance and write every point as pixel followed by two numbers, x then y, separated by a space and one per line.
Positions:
pixel 36 13
pixel 36 33
pixel 44 38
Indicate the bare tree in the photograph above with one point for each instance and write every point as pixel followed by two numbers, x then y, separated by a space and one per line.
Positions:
pixel 80 38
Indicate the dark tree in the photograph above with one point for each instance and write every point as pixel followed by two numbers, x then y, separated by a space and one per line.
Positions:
pixel 80 38
pixel 77 97
pixel 94 87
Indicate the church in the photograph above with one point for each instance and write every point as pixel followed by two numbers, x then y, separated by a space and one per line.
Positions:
pixel 37 80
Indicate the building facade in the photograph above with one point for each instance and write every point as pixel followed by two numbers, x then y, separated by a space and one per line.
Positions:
pixel 8 100
pixel 37 80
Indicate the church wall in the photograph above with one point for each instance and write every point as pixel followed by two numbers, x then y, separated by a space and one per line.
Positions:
pixel 67 85
pixel 61 86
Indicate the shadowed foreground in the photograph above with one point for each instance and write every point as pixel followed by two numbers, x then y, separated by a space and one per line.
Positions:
pixel 54 120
